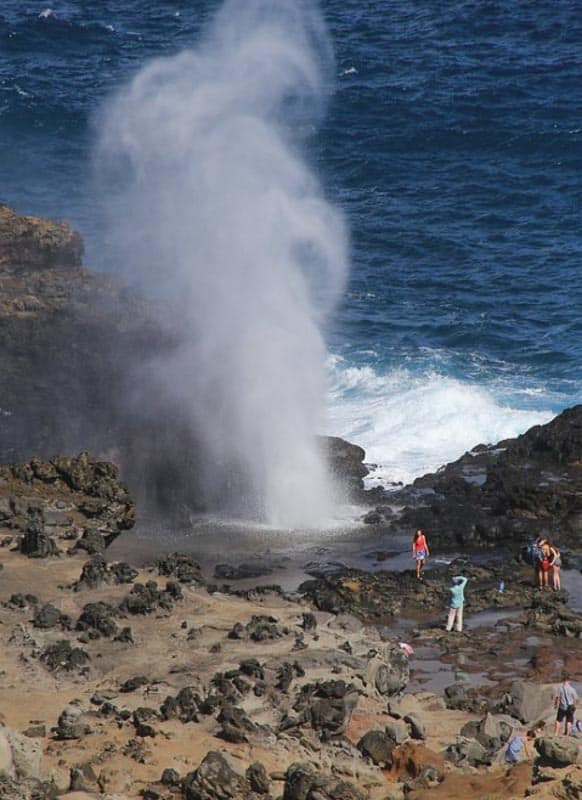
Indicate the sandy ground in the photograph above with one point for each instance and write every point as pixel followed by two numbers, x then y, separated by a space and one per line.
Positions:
pixel 31 695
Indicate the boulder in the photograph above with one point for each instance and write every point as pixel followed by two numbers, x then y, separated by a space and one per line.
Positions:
pixel 456 697
pixel 97 620
pixel 144 719
pixel 91 542
pixel 36 543
pixel 62 655
pixel 389 671
pixel 145 599
pixel 304 783
pixel 71 724
pixel 26 754
pixel 346 464
pixel 396 731
pixel 170 777
pixel 378 746
pixel 48 616
pixel 94 573
pixel 214 779
pixel 6 764
pixel 490 732
pixel 182 567
pixel 235 724
pixel 467 752
pixel 417 729
pixel 327 706
pixel 82 778
pixel 131 684
pixel 529 702
pixel 559 751
pixel 258 779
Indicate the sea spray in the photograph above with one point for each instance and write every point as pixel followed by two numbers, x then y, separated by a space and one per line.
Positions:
pixel 214 209
pixel 412 421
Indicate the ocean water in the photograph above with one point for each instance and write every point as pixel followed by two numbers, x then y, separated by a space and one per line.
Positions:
pixel 453 144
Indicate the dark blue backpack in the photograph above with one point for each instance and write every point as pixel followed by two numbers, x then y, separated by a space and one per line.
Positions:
pixel 532 554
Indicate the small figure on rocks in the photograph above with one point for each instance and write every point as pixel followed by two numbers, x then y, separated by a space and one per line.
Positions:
pixel 555 564
pixel 517 747
pixel 543 562
pixel 565 702
pixel 420 552
pixel 457 591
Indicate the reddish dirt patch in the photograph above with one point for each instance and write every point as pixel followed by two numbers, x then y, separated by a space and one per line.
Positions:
pixel 502 785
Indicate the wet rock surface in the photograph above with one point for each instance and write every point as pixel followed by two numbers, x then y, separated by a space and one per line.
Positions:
pixel 383 595
pixel 512 491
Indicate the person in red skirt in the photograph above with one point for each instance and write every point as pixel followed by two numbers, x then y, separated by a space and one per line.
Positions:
pixel 420 552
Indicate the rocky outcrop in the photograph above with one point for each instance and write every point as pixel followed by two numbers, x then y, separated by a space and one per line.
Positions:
pixel 63 499
pixel 80 370
pixel 346 462
pixel 509 492
pixel 380 595
pixel 75 355
pixel 36 243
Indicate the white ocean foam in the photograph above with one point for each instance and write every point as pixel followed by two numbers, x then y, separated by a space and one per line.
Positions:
pixel 410 424
pixel 48 12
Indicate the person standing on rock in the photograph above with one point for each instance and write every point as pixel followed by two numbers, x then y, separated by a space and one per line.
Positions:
pixel 565 702
pixel 555 564
pixel 420 552
pixel 544 564
pixel 457 591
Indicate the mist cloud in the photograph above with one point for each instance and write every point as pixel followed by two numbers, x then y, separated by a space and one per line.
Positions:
pixel 215 210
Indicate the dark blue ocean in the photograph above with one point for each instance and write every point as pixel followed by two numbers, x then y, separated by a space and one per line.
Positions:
pixel 453 144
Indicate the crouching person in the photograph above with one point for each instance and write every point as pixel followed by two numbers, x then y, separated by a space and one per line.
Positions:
pixel 517 747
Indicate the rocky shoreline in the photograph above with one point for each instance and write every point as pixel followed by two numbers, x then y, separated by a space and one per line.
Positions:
pixel 156 682
pixel 176 679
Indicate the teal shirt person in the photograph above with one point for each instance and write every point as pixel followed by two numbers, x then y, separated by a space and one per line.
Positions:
pixel 457 591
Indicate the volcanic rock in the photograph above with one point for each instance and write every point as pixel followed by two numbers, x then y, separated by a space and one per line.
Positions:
pixel 229 572
pixel 378 746
pixel 302 782
pixel 559 751
pixel 31 493
pixel 62 655
pixel 258 779
pixel 509 492
pixel 49 617
pixel 214 780
pixel 144 719
pixel 33 242
pixel 71 724
pixel 96 618
pixel 346 463
pixel 36 543
pixel 528 701
pixel 182 567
